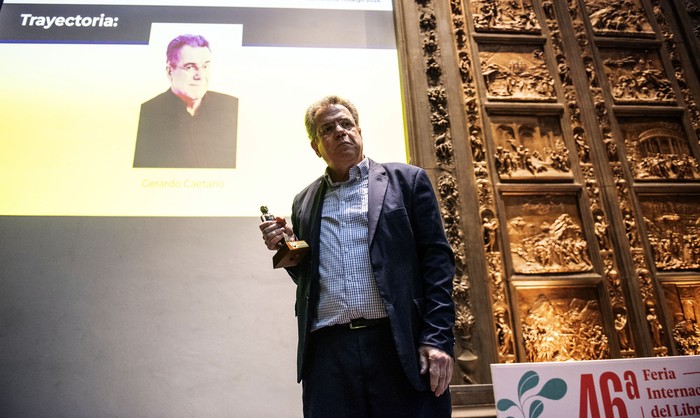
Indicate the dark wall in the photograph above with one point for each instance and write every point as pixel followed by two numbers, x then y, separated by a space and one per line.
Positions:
pixel 143 317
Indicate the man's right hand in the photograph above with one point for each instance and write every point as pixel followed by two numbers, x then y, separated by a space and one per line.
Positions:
pixel 273 232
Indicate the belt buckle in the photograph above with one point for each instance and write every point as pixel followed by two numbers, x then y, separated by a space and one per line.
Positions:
pixel 358 326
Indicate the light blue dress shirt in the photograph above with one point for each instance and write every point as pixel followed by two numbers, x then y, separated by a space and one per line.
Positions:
pixel 348 289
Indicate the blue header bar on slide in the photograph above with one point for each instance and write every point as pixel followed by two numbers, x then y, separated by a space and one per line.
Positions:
pixel 122 24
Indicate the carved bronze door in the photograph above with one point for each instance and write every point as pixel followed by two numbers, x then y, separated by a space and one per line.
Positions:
pixel 562 138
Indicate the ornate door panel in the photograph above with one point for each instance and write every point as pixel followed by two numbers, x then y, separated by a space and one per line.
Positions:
pixel 562 138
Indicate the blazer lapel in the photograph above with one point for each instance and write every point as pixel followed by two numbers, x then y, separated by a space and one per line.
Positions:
pixel 315 215
pixel 378 183
pixel 310 211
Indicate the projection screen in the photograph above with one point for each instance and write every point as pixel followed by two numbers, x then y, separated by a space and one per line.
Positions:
pixel 75 75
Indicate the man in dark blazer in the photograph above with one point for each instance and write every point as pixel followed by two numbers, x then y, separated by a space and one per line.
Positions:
pixel 374 306
pixel 188 126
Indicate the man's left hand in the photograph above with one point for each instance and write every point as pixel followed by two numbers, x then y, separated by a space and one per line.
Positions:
pixel 439 364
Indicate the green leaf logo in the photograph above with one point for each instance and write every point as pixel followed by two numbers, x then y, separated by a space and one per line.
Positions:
pixel 553 389
pixel 536 409
pixel 527 382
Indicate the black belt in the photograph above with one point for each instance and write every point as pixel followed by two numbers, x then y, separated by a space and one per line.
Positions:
pixel 360 323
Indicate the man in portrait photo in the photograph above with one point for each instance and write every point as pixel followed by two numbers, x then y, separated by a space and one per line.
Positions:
pixel 188 126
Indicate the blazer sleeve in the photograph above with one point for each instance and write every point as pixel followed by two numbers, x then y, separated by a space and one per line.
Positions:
pixel 437 267
pixel 294 270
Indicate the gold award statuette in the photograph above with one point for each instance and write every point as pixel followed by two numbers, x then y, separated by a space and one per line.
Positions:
pixel 291 251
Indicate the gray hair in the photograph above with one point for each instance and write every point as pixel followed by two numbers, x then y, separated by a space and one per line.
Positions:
pixel 327 101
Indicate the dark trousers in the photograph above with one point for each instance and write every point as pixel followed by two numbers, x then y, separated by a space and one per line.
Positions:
pixel 357 374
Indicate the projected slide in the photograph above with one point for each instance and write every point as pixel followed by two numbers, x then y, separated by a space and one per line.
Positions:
pixel 175 108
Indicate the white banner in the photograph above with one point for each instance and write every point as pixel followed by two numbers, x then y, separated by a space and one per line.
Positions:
pixel 660 387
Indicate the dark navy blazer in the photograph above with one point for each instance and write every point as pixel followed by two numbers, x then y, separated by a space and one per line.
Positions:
pixel 411 258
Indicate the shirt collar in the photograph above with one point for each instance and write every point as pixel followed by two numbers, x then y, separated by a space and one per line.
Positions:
pixel 357 172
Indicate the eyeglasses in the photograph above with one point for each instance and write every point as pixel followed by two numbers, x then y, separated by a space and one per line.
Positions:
pixel 328 128
pixel 192 68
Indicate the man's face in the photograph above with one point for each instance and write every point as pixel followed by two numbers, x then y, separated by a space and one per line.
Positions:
pixel 189 78
pixel 338 138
